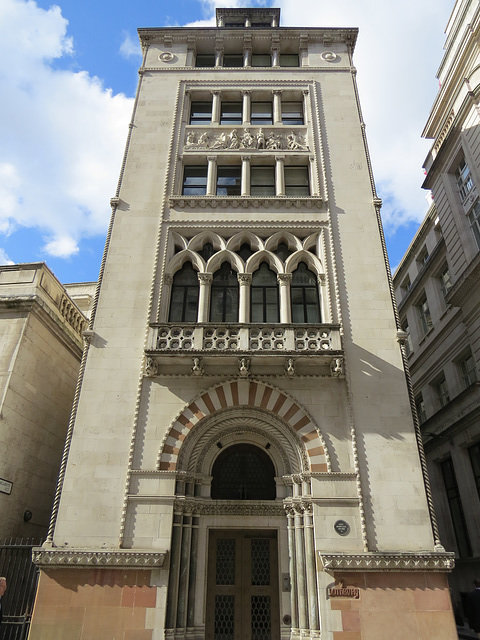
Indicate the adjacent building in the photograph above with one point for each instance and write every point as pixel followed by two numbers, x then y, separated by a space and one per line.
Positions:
pixel 40 351
pixel 437 286
pixel 242 458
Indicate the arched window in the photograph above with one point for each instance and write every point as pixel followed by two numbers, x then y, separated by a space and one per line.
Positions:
pixel 282 251
pixel 243 472
pixel 304 294
pixel 184 296
pixel 264 295
pixel 224 295
pixel 207 251
pixel 245 251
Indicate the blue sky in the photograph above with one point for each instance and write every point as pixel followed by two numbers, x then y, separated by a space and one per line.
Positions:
pixel 68 91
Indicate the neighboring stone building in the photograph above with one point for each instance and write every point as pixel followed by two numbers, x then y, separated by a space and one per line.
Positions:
pixel 438 291
pixel 40 352
pixel 244 462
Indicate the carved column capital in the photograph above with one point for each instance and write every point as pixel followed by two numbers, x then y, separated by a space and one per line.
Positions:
pixel 168 279
pixel 205 277
pixel 244 279
pixel 284 279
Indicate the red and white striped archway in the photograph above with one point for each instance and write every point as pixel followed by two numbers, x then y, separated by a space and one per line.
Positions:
pixel 252 394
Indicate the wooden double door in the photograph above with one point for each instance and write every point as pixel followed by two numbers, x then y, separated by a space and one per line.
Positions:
pixel 242 586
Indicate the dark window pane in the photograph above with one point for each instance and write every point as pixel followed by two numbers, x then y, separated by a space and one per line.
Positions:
pixel 231 113
pixel 201 112
pixel 229 181
pixel 261 60
pixel 205 60
pixel 261 113
pixel 264 295
pixel 262 181
pixel 194 180
pixel 304 296
pixel 243 472
pixel 184 295
pixel 292 113
pixel 224 295
pixel 233 60
pixel 289 60
pixel 456 509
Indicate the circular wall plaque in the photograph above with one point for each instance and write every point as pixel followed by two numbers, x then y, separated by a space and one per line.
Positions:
pixel 342 527
pixel 167 56
pixel 329 56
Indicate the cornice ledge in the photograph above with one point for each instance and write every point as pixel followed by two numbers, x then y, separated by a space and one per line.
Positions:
pixel 118 559
pixel 278 202
pixel 435 561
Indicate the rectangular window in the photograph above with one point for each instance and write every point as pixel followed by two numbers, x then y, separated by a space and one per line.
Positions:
pixel 292 113
pixel 201 112
pixel 296 181
pixel 194 180
pixel 424 314
pixel 456 509
pixel 423 257
pixel 289 60
pixel 442 392
pixel 229 180
pixel 420 406
pixel 464 180
pixel 406 286
pixel 233 60
pixel 261 113
pixel 231 113
pixel 408 340
pixel 445 281
pixel 474 219
pixel 261 60
pixel 262 181
pixel 474 453
pixel 469 373
pixel 205 60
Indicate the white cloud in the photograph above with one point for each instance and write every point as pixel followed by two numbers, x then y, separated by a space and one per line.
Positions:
pixel 4 259
pixel 60 131
pixel 130 47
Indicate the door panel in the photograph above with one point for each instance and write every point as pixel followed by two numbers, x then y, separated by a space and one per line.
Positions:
pixel 242 586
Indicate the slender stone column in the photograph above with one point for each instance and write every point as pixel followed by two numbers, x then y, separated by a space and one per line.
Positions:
pixel 275 57
pixel 301 577
pixel 245 280
pixel 277 107
pixel 284 280
pixel 245 175
pixel 312 177
pixel 211 175
pixel 247 21
pixel 219 57
pixel 313 615
pixel 247 57
pixel 216 107
pixel 279 175
pixel 205 281
pixel 193 573
pixel 307 118
pixel 183 578
pixel 173 577
pixel 246 111
pixel 292 565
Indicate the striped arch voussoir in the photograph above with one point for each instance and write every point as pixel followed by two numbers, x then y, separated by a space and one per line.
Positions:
pixel 249 394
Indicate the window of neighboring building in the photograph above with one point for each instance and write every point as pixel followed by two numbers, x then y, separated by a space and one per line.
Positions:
pixel 262 181
pixel 304 296
pixel 261 113
pixel 261 60
pixel 464 179
pixel 406 286
pixel 424 314
pixel 445 280
pixel 194 180
pixel 423 257
pixel 420 406
pixel 233 60
pixel 474 219
pixel 441 390
pixel 474 453
pixel 289 60
pixel 292 113
pixel 231 113
pixel 205 60
pixel 408 340
pixel 229 179
pixel 456 509
pixel 468 369
pixel 296 181
pixel 224 295
pixel 184 295
pixel 264 295
pixel 201 112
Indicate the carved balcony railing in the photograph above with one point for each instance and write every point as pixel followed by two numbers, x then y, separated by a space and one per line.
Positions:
pixel 306 345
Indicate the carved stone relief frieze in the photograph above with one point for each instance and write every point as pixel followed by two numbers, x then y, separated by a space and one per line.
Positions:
pixel 234 140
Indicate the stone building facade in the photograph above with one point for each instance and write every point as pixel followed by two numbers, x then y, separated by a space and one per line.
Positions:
pixel 40 351
pixel 437 288
pixel 243 462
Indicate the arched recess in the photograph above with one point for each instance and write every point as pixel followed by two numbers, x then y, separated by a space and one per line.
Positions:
pixel 252 401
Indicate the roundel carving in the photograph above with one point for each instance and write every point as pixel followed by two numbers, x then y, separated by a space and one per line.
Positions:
pixel 252 396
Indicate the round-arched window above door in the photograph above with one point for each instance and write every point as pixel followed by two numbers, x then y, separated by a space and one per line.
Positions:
pixel 243 472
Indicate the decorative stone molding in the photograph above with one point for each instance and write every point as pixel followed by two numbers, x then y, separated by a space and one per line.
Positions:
pixel 387 561
pixel 151 368
pixel 246 202
pixel 250 139
pixel 336 367
pixel 227 508
pixel 290 368
pixel 197 367
pixel 117 559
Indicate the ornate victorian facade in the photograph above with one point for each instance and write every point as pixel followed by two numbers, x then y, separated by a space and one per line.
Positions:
pixel 242 438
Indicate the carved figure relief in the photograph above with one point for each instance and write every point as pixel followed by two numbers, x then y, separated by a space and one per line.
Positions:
pixel 294 141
